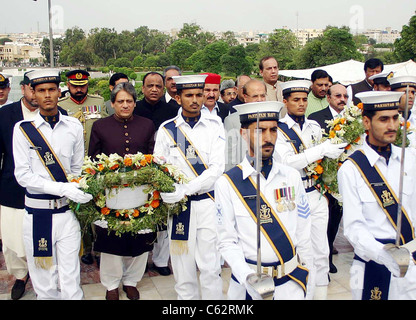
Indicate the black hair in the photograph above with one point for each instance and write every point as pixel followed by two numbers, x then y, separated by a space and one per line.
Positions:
pixel 319 74
pixel 153 73
pixel 117 76
pixel 373 63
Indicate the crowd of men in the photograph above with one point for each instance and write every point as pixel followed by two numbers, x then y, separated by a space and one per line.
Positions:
pixel 250 142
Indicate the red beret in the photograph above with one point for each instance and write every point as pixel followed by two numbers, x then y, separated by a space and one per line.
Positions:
pixel 212 78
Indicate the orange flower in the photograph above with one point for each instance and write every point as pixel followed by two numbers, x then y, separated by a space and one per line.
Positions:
pixel 360 106
pixel 114 167
pixel 332 134
pixel 319 161
pixel 117 214
pixel 90 171
pixel 348 147
pixel 105 211
pixel 343 120
pixel 136 213
pixel 148 158
pixel 319 169
pixel 156 195
pixel 143 162
pixel 100 167
pixel 155 203
pixel 128 162
pixel 76 180
pixel 358 139
pixel 315 176
pixel 337 127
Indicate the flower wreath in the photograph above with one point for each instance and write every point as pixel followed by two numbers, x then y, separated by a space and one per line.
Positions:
pixel 130 171
pixel 348 128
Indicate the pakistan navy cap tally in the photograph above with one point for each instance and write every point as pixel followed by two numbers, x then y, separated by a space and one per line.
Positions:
pixel 44 76
pixel 4 80
pixel 77 77
pixel 379 100
pixel 265 110
pixel 402 82
pixel 295 86
pixel 190 82
pixel 382 78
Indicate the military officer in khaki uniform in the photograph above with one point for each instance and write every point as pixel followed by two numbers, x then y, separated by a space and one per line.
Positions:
pixel 87 109
pixel 81 105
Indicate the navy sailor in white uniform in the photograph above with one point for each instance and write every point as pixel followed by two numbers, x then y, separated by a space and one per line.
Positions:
pixel 369 182
pixel 286 253
pixel 46 151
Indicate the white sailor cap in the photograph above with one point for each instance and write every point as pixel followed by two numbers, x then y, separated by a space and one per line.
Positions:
pixel 295 86
pixel 379 100
pixel 4 80
pixel 265 110
pixel 382 78
pixel 402 81
pixel 44 76
pixel 190 82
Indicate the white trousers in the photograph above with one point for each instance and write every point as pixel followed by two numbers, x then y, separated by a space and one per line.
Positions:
pixel 127 270
pixel 319 237
pixel 290 290
pixel 160 256
pixel 13 246
pixel 62 280
pixel 202 254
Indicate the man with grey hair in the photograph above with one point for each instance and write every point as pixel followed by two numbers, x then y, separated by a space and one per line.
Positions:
pixel 239 83
pixel 123 258
pixel 228 91
pixel 170 84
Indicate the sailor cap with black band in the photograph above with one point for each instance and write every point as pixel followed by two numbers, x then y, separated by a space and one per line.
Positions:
pixel 379 100
pixel 44 76
pixel 265 110
pixel 26 80
pixel 382 78
pixel 402 81
pixel 190 82
pixel 4 80
pixel 295 86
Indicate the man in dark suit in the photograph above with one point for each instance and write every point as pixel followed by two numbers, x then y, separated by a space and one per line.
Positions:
pixel 337 98
pixel 152 105
pixel 239 83
pixel 371 67
pixel 12 195
pixel 211 96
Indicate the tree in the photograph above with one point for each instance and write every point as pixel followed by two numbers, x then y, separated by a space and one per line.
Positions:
pixel 235 62
pixel 335 45
pixel 179 51
pixel 211 59
pixel 57 47
pixel 406 45
pixel 282 44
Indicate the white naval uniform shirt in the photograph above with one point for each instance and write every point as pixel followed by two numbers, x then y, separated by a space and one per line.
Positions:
pixel 237 230
pixel 66 139
pixel 208 138
pixel 311 134
pixel 364 220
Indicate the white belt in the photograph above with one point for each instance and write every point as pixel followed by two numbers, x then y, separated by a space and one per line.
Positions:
pixel 281 270
pixel 46 204
pixel 308 182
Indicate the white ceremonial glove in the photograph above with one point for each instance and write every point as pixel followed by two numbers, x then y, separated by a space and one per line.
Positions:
pixel 71 191
pixel 175 196
pixel 387 260
pixel 332 150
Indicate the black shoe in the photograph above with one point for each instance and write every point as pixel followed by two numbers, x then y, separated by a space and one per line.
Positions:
pixel 332 268
pixel 98 260
pixel 163 271
pixel 19 288
pixel 87 258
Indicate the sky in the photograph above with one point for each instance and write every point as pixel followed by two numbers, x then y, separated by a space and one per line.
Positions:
pixel 24 16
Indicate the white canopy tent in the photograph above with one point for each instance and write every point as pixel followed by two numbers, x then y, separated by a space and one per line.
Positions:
pixel 351 71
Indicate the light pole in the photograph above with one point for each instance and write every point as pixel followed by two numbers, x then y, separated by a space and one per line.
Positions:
pixel 50 35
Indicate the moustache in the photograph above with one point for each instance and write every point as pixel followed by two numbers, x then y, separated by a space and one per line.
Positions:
pixel 267 144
